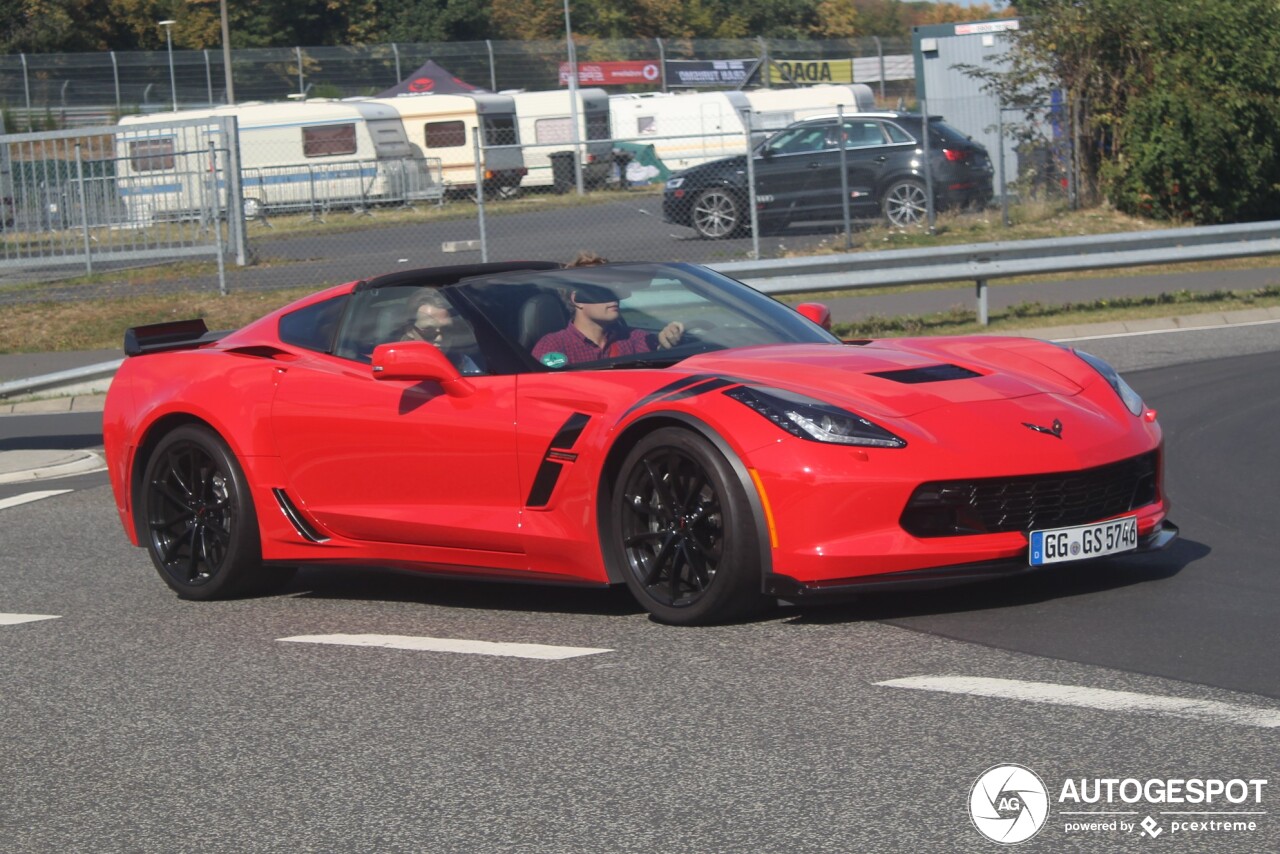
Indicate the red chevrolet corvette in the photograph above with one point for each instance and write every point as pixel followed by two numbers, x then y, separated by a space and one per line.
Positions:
pixel 677 432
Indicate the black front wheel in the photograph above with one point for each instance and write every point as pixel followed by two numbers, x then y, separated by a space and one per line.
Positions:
pixel 202 531
pixel 685 531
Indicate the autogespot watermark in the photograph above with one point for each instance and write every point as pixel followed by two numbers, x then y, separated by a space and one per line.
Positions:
pixel 1010 804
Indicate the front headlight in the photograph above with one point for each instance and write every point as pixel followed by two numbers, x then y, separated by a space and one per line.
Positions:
pixel 675 183
pixel 1132 400
pixel 814 420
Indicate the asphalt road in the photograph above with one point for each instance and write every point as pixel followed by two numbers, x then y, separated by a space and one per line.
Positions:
pixel 138 722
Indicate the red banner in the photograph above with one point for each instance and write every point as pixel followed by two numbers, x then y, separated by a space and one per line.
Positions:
pixel 614 73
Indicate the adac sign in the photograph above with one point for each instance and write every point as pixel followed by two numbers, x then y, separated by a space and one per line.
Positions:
pixel 801 71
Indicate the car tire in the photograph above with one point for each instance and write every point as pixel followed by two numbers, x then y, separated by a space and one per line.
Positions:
pixel 201 526
pixel 716 213
pixel 905 204
pixel 683 531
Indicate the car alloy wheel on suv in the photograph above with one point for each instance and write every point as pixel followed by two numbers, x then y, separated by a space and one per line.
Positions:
pixel 717 212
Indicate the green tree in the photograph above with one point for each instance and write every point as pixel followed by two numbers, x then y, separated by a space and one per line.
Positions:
pixel 1177 101
pixel 434 20
pixel 47 26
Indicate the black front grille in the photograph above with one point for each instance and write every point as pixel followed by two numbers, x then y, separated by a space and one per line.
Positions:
pixel 999 504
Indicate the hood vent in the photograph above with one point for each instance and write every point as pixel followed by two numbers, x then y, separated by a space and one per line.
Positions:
pixel 931 374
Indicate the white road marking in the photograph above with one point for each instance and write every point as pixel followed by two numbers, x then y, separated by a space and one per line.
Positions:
pixel 1092 698
pixel 14 619
pixel 465 647
pixel 28 497
pixel 1168 331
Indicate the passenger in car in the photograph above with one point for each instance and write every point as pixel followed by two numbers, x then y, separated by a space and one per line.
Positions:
pixel 434 320
pixel 597 331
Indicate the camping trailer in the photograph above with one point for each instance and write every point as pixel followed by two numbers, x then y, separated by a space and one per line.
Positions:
pixel 546 127
pixel 691 128
pixel 684 129
pixel 773 109
pixel 293 156
pixel 445 127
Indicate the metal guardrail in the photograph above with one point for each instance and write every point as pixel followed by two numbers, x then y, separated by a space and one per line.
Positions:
pixel 981 262
pixel 60 380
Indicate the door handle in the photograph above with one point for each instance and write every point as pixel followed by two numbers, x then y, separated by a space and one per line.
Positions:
pixel 882 158
pixel 812 165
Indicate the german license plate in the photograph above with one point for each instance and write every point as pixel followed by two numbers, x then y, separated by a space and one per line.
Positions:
pixel 1081 542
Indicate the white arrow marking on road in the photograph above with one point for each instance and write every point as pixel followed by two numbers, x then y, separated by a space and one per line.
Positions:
pixel 1092 698
pixel 14 619
pixel 465 647
pixel 28 497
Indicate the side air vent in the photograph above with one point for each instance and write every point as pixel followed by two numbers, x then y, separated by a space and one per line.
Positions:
pixel 304 528
pixel 931 374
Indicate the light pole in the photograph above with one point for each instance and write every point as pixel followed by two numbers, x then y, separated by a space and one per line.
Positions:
pixel 168 37
pixel 573 98
pixel 226 51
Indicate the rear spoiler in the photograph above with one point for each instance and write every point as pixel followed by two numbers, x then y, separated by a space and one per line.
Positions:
pixel 173 335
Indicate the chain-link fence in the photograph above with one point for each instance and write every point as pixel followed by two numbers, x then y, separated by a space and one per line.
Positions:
pixel 333 191
pixel 39 90
pixel 1030 146
pixel 100 198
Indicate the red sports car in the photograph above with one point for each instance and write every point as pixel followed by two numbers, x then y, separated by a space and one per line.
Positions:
pixel 678 432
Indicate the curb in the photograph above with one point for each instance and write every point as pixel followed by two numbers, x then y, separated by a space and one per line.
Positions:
pixel 84 402
pixel 48 465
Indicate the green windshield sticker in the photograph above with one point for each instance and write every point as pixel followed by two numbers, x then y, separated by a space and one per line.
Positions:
pixel 555 360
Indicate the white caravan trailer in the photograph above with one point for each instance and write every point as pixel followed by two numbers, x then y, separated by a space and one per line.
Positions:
pixel 773 109
pixel 684 129
pixel 691 128
pixel 445 127
pixel 546 127
pixel 293 156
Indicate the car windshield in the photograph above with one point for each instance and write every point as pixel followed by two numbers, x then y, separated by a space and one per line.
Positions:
pixel 625 315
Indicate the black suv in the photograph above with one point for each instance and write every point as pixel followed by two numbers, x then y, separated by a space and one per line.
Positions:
pixel 797 173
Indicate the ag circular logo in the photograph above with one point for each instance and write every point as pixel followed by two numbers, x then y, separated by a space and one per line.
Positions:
pixel 1008 804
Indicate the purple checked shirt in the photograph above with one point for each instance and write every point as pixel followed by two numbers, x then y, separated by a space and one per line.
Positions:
pixel 578 348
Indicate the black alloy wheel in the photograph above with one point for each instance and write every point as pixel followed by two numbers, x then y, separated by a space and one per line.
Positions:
pixel 201 529
pixel 685 530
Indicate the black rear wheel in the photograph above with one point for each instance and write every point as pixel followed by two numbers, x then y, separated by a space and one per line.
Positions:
pixel 685 531
pixel 202 531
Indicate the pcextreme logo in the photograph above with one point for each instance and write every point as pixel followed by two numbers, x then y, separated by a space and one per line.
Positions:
pixel 1009 804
